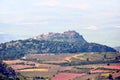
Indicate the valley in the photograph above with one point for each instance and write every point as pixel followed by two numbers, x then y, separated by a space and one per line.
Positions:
pixel 77 66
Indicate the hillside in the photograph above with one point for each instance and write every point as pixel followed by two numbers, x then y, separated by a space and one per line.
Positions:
pixel 7 73
pixel 67 42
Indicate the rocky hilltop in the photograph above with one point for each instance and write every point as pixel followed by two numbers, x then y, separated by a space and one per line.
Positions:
pixel 69 36
pixel 67 42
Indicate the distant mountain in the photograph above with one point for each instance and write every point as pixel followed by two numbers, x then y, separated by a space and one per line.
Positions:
pixel 117 48
pixel 67 42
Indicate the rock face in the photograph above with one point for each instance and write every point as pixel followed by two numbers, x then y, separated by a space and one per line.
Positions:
pixel 69 36
pixel 67 42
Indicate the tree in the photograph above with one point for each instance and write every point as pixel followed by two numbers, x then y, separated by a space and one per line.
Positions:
pixel 110 77
pixel 108 64
pixel 87 59
pixel 105 56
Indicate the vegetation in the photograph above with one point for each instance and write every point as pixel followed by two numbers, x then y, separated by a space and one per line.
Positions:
pixel 7 73
pixel 17 49
pixel 86 63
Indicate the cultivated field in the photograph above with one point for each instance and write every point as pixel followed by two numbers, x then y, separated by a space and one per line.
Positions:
pixel 82 66
pixel 67 76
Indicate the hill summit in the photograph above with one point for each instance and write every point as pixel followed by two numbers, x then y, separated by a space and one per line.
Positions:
pixel 69 36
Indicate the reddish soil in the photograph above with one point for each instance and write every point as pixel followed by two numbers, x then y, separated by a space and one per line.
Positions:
pixel 17 67
pixel 112 67
pixel 67 76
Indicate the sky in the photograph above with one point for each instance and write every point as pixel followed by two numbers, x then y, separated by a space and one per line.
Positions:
pixel 97 20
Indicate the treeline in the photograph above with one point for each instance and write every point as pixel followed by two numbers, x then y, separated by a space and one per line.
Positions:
pixel 17 49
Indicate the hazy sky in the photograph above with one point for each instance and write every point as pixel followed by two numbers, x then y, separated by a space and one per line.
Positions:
pixel 97 20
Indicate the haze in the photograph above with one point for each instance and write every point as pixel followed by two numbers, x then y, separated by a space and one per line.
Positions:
pixel 97 20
